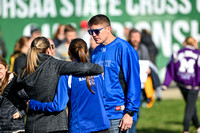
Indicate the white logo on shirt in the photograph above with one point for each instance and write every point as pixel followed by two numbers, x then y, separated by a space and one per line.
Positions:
pixel 186 65
pixel 105 63
pixel 104 50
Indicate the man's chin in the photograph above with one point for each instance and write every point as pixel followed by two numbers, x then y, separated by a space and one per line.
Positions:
pixel 98 42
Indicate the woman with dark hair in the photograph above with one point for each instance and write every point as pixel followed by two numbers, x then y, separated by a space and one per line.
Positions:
pixel 18 58
pixel 86 106
pixel 40 78
pixel 184 69
pixel 59 36
pixel 11 117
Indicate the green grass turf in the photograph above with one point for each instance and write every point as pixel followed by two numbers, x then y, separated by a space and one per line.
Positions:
pixel 165 116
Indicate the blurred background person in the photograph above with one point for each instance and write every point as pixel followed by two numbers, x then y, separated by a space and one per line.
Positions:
pixel 134 39
pixel 146 39
pixel 93 45
pixel 62 49
pixel 153 81
pixel 20 61
pixel 59 36
pixel 184 69
pixel 83 32
pixel 3 51
pixel 11 117
pixel 35 32
pixel 21 48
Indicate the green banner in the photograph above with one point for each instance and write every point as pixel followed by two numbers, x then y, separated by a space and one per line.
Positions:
pixel 169 21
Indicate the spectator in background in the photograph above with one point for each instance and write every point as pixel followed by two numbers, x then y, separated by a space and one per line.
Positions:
pixel 93 45
pixel 82 33
pixel 21 48
pixel 35 32
pixel 59 36
pixel 3 51
pixel 122 86
pixel 20 61
pixel 11 117
pixel 62 49
pixel 135 41
pixel 146 39
pixel 184 69
pixel 134 38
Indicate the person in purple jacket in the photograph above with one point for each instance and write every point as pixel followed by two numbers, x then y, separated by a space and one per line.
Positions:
pixel 184 69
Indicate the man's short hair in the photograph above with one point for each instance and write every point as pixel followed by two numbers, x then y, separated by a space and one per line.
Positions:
pixel 134 30
pixel 99 19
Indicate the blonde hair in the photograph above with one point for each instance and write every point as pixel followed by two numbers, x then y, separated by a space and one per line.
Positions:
pixel 38 45
pixel 190 41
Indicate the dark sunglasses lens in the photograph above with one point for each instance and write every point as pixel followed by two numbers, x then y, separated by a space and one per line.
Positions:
pixel 90 32
pixel 96 32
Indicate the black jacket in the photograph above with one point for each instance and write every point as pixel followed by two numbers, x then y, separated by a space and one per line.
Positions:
pixel 7 109
pixel 41 85
pixel 20 62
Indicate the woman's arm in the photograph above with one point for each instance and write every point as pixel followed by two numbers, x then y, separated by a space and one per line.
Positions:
pixel 79 68
pixel 60 100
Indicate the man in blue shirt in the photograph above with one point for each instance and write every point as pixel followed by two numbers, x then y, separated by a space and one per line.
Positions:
pixel 121 74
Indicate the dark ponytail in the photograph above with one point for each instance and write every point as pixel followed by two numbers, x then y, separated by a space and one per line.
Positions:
pixel 78 49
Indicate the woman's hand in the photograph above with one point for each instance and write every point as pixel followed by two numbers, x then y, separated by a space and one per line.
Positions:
pixel 17 115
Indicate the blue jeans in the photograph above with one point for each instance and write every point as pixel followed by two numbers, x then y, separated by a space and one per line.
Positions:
pixel 114 127
pixel 133 128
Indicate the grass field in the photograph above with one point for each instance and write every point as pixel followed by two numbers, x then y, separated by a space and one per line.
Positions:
pixel 164 117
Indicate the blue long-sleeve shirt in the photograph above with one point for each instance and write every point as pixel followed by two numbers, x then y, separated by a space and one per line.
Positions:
pixel 116 56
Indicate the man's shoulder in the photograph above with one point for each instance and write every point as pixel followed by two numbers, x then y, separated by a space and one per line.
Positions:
pixel 121 42
pixel 123 45
pixel 97 49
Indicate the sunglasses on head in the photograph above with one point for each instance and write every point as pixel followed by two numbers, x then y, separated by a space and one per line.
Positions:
pixel 96 31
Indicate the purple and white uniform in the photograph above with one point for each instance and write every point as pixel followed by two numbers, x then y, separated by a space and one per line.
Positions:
pixel 184 68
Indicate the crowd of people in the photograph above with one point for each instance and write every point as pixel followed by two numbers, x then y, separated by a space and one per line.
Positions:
pixel 53 83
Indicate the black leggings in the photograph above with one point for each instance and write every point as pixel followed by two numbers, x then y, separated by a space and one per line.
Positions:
pixel 190 97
